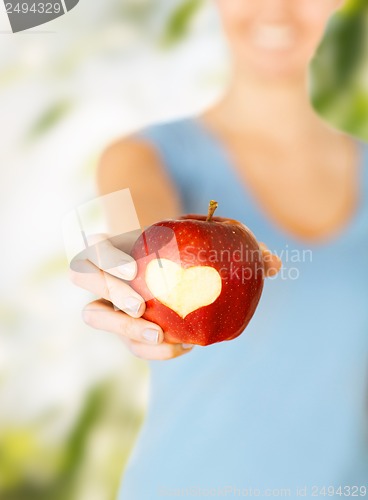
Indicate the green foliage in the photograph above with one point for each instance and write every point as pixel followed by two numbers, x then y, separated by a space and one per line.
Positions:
pixel 18 446
pixel 354 6
pixel 10 319
pixel 133 11
pixel 336 90
pixel 338 55
pixel 63 487
pixel 22 455
pixel 49 118
pixel 178 23
pixel 54 267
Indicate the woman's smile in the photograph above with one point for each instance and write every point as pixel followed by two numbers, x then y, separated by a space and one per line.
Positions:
pixel 273 37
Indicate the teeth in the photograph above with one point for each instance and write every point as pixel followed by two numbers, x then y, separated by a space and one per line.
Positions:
pixel 274 37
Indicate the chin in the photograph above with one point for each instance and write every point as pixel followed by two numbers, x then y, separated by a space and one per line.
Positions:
pixel 275 65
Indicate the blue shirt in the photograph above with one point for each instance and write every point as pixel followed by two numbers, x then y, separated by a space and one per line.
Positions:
pixel 284 406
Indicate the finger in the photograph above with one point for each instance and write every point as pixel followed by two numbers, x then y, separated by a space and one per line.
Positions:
pixel 101 316
pixel 161 352
pixel 110 288
pixel 272 263
pixel 105 256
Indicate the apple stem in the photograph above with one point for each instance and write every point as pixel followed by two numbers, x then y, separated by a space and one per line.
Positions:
pixel 211 210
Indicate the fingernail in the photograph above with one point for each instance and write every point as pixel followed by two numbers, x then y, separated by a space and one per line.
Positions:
pixel 187 346
pixel 128 269
pixel 131 305
pixel 151 335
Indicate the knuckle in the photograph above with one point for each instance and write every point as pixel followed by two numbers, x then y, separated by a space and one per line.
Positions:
pixel 122 327
pixel 113 294
pixel 112 291
pixel 127 342
pixel 126 327
pixel 105 290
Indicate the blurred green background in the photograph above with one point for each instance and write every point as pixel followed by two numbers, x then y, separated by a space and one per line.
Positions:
pixel 72 399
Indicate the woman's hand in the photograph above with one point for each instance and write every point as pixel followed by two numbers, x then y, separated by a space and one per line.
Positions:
pixel 120 309
pixel 272 263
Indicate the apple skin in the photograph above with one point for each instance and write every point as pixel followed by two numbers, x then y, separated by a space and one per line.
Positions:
pixel 195 240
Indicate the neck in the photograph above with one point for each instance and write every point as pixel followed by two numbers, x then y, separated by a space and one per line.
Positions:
pixel 278 108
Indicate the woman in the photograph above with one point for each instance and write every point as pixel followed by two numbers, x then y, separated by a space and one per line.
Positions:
pixel 280 410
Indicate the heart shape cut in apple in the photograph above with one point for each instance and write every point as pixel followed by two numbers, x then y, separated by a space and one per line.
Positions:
pixel 182 290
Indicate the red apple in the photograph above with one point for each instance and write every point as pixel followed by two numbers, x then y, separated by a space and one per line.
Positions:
pixel 201 277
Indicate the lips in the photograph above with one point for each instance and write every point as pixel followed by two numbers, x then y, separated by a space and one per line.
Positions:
pixel 273 37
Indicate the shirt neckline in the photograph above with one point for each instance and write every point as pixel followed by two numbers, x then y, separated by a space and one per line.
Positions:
pixel 277 230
